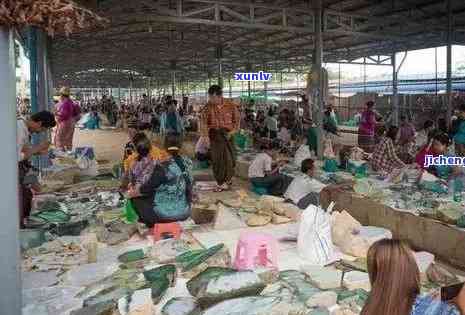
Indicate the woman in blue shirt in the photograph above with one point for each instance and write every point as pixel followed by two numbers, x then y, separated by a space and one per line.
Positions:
pixel 395 284
pixel 166 196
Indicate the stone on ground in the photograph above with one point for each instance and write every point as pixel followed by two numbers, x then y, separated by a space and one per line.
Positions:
pixel 324 299
pixel 225 219
pixel 324 278
pixel 357 280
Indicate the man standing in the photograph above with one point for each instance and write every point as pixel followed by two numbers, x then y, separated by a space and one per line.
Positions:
pixel 219 119
pixel 38 122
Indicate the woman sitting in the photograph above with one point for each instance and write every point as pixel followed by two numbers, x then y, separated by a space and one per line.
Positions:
pixel 155 154
pixel 395 284
pixel 166 196
pixel 384 158
pixel 143 166
pixel 437 146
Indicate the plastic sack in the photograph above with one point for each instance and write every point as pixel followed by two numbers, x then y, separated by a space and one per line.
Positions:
pixel 314 242
pixel 328 151
pixel 302 153
pixel 129 212
pixel 87 166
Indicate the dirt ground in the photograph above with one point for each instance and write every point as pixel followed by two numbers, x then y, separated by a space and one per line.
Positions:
pixel 108 144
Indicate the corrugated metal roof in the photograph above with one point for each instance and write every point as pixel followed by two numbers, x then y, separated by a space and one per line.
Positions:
pixel 152 38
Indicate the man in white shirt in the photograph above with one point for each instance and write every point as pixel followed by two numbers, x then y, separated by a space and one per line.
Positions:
pixel 262 173
pixel 304 189
pixel 38 122
pixel 271 124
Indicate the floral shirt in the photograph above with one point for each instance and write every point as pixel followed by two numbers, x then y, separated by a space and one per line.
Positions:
pixel 426 305
pixel 155 153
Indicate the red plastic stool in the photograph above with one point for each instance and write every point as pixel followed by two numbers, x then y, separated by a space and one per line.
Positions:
pixel 163 231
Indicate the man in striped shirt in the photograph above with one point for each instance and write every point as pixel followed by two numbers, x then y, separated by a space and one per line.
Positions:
pixel 220 118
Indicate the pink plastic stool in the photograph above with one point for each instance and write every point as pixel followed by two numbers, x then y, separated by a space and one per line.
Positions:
pixel 166 230
pixel 256 250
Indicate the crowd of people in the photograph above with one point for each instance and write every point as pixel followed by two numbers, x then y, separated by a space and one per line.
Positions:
pixel 158 180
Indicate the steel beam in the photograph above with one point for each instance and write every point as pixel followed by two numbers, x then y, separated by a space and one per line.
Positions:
pixel 10 284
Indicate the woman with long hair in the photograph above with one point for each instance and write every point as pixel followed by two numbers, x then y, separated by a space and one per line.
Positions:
pixel 395 284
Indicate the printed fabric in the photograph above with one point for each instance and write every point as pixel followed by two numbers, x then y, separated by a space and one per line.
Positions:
pixel 171 200
pixel 426 305
pixel 384 157
pixel 141 171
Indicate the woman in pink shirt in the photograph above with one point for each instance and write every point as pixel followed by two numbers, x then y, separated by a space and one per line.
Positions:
pixel 67 114
pixel 366 128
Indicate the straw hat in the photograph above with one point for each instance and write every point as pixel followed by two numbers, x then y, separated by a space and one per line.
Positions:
pixel 64 91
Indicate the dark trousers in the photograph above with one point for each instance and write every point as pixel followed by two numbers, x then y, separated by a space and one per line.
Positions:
pixel 310 199
pixel 202 157
pixel 276 184
pixel 25 203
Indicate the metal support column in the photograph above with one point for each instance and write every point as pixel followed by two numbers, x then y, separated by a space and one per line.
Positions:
pixel 173 84
pixel 317 70
pixel 449 61
pixel 395 97
pixel 32 47
pixel 10 286
pixel 230 88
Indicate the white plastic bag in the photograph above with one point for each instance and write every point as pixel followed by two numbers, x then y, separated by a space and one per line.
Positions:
pixel 302 153
pixel 314 241
pixel 87 166
pixel 328 151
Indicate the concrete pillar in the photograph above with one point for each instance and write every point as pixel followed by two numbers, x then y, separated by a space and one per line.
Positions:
pixel 317 69
pixel 395 97
pixel 10 284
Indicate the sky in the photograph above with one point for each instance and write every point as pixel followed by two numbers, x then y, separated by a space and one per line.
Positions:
pixel 416 62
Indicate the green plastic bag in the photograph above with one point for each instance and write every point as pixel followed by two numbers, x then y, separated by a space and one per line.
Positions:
pixel 129 213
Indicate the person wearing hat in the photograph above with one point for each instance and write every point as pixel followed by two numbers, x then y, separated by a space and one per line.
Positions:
pixel 166 195
pixel 67 113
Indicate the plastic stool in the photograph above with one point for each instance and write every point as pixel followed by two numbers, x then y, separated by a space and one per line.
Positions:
pixel 163 231
pixel 259 190
pixel 256 250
